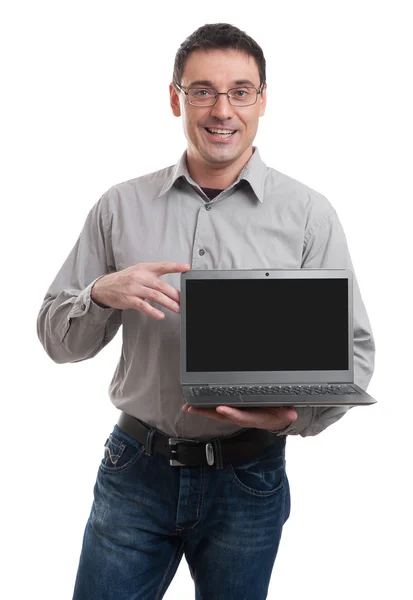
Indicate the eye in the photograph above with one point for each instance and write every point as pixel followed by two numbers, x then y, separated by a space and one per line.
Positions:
pixel 241 92
pixel 202 93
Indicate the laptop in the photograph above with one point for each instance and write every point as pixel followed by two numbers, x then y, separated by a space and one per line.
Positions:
pixel 268 337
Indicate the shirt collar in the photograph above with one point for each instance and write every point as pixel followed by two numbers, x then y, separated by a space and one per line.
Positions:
pixel 253 172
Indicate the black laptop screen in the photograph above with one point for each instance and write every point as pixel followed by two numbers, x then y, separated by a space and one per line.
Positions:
pixel 266 325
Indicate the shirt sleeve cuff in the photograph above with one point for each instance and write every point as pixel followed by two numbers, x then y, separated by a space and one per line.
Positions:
pixel 84 304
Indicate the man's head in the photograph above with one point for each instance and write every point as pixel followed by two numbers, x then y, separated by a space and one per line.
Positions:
pixel 219 57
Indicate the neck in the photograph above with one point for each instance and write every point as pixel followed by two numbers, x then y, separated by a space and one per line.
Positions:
pixel 215 175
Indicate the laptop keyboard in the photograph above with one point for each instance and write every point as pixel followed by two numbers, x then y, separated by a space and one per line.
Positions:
pixel 274 390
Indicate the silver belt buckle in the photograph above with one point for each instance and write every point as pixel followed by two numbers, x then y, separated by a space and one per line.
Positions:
pixel 209 451
pixel 173 442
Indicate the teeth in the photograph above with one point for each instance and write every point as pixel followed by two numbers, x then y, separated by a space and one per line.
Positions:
pixel 227 131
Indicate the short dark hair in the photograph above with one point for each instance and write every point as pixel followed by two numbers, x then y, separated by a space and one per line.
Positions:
pixel 218 35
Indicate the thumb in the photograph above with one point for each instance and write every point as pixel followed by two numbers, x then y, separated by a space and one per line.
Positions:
pixel 291 414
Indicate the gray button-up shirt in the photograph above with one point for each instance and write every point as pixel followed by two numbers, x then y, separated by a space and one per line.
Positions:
pixel 264 220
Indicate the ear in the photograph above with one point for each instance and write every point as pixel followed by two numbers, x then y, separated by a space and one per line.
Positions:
pixel 174 98
pixel 263 100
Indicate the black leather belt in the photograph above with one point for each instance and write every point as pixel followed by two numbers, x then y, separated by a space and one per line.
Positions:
pixel 239 447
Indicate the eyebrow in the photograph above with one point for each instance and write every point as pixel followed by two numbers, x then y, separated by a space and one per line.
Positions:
pixel 210 84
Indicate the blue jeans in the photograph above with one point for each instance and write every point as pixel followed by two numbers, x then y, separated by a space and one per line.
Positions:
pixel 146 514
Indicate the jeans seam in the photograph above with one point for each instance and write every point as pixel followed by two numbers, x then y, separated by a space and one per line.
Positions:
pixel 115 441
pixel 113 457
pixel 114 470
pixel 202 494
pixel 251 491
pixel 257 493
pixel 174 559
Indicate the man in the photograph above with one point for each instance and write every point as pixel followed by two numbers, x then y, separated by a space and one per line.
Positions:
pixel 220 207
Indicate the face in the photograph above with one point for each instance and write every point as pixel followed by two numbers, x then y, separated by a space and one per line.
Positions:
pixel 222 68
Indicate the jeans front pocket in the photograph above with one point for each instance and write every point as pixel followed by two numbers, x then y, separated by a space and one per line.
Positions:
pixel 120 452
pixel 262 476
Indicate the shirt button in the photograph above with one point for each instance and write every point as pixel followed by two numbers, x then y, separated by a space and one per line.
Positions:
pixel 208 207
pixel 201 252
pixel 83 307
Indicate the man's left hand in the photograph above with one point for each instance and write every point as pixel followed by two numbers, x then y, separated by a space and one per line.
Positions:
pixel 271 418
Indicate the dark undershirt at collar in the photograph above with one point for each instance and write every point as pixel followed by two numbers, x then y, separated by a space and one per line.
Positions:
pixel 211 192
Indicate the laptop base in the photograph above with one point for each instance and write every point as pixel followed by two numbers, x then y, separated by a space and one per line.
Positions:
pixel 362 398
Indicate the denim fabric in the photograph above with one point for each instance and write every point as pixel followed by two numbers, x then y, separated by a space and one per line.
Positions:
pixel 147 514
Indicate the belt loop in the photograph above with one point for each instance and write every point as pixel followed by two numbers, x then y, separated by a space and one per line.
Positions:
pixel 149 442
pixel 216 443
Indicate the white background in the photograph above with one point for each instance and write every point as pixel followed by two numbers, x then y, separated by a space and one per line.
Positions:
pixel 85 106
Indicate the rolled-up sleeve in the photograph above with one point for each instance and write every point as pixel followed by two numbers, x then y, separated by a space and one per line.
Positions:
pixel 70 326
pixel 325 247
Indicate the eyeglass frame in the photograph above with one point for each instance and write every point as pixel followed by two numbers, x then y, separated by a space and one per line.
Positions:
pixel 259 91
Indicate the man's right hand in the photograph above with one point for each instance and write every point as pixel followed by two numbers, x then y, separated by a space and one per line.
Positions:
pixel 130 288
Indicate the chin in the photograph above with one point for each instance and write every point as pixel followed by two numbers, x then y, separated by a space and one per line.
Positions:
pixel 223 154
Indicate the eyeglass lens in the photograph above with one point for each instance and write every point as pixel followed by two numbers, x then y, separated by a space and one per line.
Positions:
pixel 241 96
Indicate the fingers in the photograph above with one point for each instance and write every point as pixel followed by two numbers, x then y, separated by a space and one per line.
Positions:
pixel 291 414
pixel 260 417
pixel 206 412
pixel 156 296
pixel 167 267
pixel 148 309
pixel 167 289
pixel 163 268
pixel 239 417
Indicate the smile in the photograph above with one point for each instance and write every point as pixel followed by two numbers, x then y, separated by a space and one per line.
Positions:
pixel 217 133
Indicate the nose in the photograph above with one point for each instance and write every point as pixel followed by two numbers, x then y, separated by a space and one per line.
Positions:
pixel 222 109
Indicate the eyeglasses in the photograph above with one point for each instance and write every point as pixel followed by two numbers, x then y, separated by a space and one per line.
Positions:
pixel 238 96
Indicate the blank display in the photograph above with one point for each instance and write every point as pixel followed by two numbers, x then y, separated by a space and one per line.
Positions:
pixel 267 325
